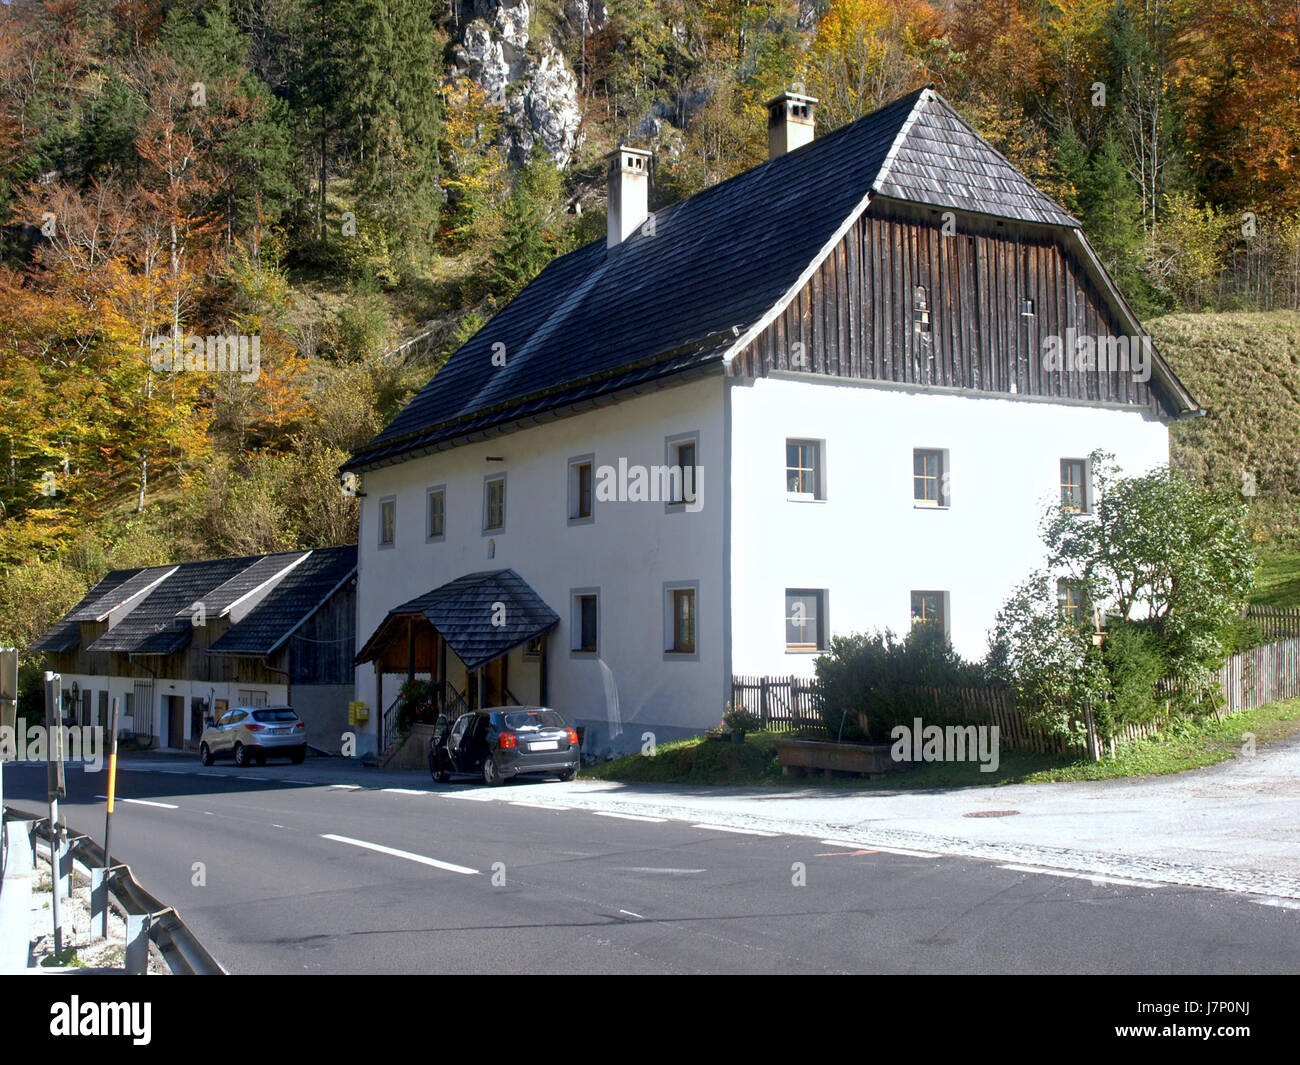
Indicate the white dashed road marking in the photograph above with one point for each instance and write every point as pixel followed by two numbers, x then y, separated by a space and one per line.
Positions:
pixel 145 802
pixel 1286 904
pixel 1092 878
pixel 738 831
pixel 379 848
pixel 872 846
pixel 632 817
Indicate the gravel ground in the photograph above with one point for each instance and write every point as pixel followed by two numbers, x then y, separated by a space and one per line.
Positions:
pixel 94 954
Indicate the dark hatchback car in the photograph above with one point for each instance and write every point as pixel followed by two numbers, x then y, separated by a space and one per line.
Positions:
pixel 498 743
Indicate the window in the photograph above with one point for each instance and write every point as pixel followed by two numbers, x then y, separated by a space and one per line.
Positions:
pixel 494 503
pixel 1074 485
pixel 1069 597
pixel 586 621
pixel 581 489
pixel 805 619
pixel 436 513
pixel 1026 308
pixel 920 310
pixel 680 619
pixel 928 607
pixel 803 469
pixel 928 487
pixel 388 521
pixel 533 648
pixel 682 457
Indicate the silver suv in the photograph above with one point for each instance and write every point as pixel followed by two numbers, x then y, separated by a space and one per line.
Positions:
pixel 248 733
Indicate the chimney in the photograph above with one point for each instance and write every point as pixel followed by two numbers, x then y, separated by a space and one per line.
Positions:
pixel 790 121
pixel 628 175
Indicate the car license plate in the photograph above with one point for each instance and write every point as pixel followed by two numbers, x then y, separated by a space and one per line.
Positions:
pixel 545 745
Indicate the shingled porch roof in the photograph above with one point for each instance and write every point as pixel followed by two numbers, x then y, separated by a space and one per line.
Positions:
pixel 463 613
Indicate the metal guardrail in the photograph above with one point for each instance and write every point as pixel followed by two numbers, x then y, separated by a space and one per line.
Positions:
pixel 180 949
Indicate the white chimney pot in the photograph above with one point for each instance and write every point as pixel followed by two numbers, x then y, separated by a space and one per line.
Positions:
pixel 628 176
pixel 791 122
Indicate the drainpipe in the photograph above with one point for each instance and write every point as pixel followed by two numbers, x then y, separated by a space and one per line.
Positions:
pixel 153 699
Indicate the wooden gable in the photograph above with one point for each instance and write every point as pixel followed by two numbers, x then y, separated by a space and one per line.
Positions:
pixel 857 315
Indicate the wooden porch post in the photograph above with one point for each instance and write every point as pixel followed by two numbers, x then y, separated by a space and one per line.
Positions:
pixel 482 687
pixel 410 649
pixel 442 670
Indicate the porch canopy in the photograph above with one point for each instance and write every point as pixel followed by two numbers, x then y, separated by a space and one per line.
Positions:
pixel 480 616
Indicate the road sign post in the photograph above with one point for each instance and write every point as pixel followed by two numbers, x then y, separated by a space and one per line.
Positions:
pixel 110 791
pixel 8 710
pixel 55 787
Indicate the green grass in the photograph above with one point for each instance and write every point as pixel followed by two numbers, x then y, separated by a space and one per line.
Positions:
pixel 1277 581
pixel 754 763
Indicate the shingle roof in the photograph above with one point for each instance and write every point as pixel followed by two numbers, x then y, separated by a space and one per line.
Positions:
pixel 465 612
pixel 290 604
pixel 677 297
pixel 64 636
pixel 110 592
pixel 939 160
pixel 159 624
pixel 114 590
pixel 220 599
pixel 153 626
pixel 718 260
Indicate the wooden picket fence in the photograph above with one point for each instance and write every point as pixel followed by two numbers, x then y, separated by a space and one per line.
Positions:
pixel 781 703
pixel 1247 681
pixel 1275 622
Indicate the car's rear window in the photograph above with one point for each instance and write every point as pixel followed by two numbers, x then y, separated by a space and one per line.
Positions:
pixel 275 715
pixel 521 720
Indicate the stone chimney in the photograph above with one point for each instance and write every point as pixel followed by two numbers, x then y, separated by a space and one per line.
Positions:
pixel 628 176
pixel 790 122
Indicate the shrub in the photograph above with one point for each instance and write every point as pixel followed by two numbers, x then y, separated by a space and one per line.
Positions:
pixel 873 681
pixel 1135 662
pixel 741 719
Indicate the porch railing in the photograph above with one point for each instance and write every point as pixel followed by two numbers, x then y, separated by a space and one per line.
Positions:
pixel 390 724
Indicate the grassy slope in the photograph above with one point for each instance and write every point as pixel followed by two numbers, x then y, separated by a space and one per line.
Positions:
pixel 1245 370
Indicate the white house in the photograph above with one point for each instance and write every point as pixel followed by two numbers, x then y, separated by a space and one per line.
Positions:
pixel 834 393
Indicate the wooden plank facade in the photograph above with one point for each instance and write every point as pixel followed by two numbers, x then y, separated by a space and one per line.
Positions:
pixel 854 317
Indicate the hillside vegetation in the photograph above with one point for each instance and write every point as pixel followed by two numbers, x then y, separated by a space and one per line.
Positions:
pixel 329 180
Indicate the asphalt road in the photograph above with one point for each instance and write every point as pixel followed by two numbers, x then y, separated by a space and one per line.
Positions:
pixel 278 877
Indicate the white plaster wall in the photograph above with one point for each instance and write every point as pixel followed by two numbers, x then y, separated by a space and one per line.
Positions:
pixel 628 552
pixel 868 544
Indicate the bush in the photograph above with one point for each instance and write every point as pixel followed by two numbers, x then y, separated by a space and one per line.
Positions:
pixel 418 700
pixel 1135 662
pixel 873 681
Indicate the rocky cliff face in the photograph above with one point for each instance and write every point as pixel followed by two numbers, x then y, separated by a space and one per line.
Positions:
pixel 530 79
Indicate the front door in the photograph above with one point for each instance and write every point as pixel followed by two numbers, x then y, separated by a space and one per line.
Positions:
pixel 175 721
